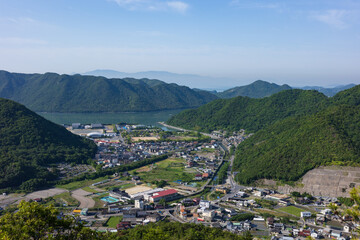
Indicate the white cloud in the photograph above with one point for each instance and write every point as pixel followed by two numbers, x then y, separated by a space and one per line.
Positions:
pixel 178 6
pixel 153 5
pixel 334 18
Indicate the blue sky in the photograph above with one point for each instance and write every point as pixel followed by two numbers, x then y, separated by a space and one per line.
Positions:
pixel 304 42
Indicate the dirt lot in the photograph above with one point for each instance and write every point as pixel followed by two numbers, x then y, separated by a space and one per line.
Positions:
pixel 136 139
pixel 80 195
pixel 137 189
pixel 45 193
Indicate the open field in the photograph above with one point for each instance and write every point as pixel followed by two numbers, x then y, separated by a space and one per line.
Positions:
pixel 113 221
pixel 136 139
pixel 170 170
pixel 292 210
pixel 90 190
pixel 80 184
pixel 45 193
pixel 137 189
pixel 66 198
pixel 81 196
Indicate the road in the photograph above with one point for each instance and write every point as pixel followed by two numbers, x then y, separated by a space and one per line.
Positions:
pixel 185 130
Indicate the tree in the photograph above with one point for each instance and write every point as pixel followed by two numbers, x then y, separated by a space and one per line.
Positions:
pixel 35 221
pixel 162 202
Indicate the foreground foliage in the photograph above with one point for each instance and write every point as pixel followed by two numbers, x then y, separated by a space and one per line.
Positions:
pixel 29 144
pixel 35 221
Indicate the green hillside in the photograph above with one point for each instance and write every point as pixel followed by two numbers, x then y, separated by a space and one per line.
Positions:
pixel 257 89
pixel 52 92
pixel 249 113
pixel 29 143
pixel 288 149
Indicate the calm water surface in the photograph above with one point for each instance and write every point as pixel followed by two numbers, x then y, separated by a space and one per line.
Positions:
pixel 146 118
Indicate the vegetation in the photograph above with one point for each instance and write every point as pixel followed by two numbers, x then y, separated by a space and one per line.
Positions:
pixel 242 217
pixel 257 89
pixel 166 171
pixel 295 131
pixel 35 221
pixel 222 173
pixel 30 145
pixel 348 202
pixel 172 231
pixel 292 210
pixel 51 92
pixel 248 113
pixel 103 173
pixel 289 148
pixel 112 222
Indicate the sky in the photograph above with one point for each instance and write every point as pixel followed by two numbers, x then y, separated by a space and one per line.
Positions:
pixel 297 42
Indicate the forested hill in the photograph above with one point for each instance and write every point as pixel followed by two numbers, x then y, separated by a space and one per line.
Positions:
pixel 52 92
pixel 288 149
pixel 257 89
pixel 249 113
pixel 29 143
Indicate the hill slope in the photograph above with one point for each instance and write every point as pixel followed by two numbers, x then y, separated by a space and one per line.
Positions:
pixel 257 89
pixel 52 92
pixel 249 113
pixel 29 143
pixel 288 149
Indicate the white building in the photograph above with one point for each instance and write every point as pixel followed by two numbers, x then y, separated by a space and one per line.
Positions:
pixel 305 214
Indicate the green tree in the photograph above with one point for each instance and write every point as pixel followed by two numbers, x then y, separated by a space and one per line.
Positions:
pixel 35 221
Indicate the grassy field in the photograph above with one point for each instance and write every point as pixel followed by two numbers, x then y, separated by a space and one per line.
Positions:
pixel 292 210
pixel 90 190
pixel 80 184
pixel 170 170
pixel 65 198
pixel 113 221
pixel 124 185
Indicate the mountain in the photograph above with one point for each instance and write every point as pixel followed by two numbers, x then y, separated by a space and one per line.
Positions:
pixel 257 89
pixel 288 149
pixel 29 144
pixel 295 131
pixel 191 80
pixel 249 113
pixel 51 92
pixel 329 91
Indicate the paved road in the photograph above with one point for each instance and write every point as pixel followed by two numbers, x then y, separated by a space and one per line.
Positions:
pixel 185 130
pixel 81 196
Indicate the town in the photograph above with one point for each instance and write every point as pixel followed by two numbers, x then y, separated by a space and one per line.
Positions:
pixel 191 183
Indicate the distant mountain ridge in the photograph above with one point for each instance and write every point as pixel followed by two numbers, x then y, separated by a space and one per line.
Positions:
pixel 330 92
pixel 51 92
pixel 30 144
pixel 257 89
pixel 191 80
